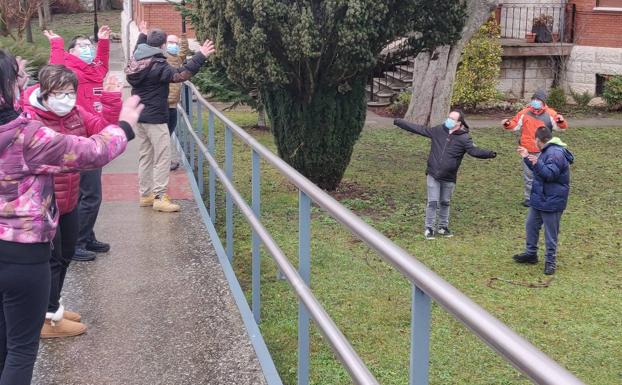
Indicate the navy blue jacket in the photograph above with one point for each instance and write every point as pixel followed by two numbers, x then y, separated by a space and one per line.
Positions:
pixel 551 177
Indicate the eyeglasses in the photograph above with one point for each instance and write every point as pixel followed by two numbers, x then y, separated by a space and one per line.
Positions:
pixel 172 42
pixel 84 45
pixel 61 95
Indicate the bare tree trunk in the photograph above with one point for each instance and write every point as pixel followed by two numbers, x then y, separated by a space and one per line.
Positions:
pixel 261 116
pixel 28 28
pixel 42 23
pixel 47 11
pixel 104 5
pixel 435 72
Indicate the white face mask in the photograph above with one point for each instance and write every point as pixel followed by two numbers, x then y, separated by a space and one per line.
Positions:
pixel 61 107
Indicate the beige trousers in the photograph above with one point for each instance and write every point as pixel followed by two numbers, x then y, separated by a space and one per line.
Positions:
pixel 154 161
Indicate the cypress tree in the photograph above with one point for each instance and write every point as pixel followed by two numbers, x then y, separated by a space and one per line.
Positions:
pixel 310 60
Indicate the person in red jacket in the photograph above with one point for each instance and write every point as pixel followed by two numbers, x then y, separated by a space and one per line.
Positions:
pixel 91 68
pixel 527 121
pixel 53 103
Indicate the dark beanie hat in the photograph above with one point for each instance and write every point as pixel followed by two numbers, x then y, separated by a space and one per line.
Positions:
pixel 461 120
pixel 156 38
pixel 540 95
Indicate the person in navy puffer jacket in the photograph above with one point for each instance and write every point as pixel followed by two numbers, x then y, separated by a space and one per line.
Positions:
pixel 549 196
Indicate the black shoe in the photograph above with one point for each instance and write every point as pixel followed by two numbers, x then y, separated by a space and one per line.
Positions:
pixel 525 203
pixel 444 231
pixel 429 233
pixel 97 246
pixel 549 268
pixel 82 255
pixel 525 258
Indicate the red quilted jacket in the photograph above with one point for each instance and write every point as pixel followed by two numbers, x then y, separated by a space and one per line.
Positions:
pixel 78 122
pixel 90 76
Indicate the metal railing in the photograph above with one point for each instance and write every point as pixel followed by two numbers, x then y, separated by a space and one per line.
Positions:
pixel 517 19
pixel 427 286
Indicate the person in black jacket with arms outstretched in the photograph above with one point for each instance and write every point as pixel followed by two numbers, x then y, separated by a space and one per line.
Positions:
pixel 450 141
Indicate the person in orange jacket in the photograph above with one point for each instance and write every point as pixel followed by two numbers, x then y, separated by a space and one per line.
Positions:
pixel 527 121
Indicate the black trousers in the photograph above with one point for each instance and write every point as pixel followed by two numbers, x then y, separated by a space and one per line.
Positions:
pixel 88 204
pixel 64 248
pixel 172 120
pixel 24 294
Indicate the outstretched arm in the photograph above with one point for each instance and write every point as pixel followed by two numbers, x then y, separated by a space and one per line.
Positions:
pixel 414 128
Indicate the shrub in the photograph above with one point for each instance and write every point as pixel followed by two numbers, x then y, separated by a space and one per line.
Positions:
pixel 66 6
pixel 613 92
pixel 478 73
pixel 557 98
pixel 213 81
pixel 582 99
pixel 37 57
pixel 400 104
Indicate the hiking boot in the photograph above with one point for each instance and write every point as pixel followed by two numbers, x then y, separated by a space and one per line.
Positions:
pixel 174 165
pixel 97 246
pixel 429 233
pixel 549 268
pixel 163 203
pixel 525 258
pixel 72 316
pixel 525 203
pixel 444 231
pixel 83 255
pixel 62 328
pixel 147 201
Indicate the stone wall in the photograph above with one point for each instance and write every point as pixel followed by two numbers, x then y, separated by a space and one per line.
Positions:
pixel 521 77
pixel 586 62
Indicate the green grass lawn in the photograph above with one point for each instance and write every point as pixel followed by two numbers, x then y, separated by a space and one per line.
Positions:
pixel 67 26
pixel 576 320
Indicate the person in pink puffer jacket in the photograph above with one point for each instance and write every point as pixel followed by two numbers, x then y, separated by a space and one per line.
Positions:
pixel 30 155
pixel 53 103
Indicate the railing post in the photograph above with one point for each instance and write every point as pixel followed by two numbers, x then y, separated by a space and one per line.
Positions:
pixel 420 337
pixel 199 130
pixel 256 252
pixel 228 198
pixel 211 147
pixel 304 268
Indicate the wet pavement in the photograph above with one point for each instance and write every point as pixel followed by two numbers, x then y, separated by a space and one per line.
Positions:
pixel 158 307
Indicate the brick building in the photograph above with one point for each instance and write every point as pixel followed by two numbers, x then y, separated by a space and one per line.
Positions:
pixel 585 46
pixel 157 13
pixel 598 45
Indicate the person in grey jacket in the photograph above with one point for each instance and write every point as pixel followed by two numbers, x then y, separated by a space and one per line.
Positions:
pixel 449 142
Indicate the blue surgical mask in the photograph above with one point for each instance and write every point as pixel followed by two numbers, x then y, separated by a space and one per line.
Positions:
pixel 87 55
pixel 450 123
pixel 537 104
pixel 173 49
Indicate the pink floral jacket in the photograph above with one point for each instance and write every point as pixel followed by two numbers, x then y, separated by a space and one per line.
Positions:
pixel 30 154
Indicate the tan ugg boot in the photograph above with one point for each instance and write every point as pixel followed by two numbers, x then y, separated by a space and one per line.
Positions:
pixel 56 326
pixel 164 204
pixel 146 201
pixel 72 316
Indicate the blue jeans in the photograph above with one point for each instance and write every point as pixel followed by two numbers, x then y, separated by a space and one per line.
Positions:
pixel 535 220
pixel 439 195
pixel 24 294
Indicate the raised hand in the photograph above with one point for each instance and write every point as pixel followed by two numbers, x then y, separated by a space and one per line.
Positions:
pixel 104 32
pixel 131 110
pixel 143 27
pixel 207 48
pixel 50 34
pixel 505 122
pixel 559 118
pixel 113 84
